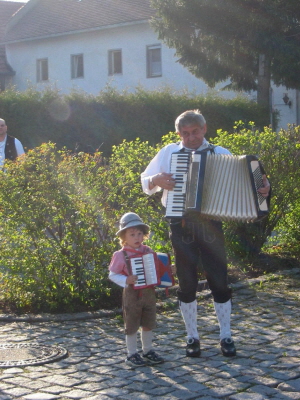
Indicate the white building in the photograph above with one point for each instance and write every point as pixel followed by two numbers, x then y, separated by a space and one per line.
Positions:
pixel 91 44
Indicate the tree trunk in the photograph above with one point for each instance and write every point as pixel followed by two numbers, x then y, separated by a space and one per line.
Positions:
pixel 264 82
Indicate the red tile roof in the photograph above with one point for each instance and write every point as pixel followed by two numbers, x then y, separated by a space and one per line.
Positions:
pixel 7 9
pixel 42 18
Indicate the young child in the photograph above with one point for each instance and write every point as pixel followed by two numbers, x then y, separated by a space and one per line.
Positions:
pixel 139 305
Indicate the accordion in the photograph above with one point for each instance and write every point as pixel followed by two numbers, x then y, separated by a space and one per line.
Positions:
pixel 146 267
pixel 152 269
pixel 218 186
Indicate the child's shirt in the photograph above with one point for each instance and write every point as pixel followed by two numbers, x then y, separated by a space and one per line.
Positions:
pixel 118 270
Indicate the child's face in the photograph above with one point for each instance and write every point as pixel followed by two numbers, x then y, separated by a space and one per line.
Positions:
pixel 134 237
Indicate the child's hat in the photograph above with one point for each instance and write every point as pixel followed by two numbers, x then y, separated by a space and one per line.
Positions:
pixel 129 220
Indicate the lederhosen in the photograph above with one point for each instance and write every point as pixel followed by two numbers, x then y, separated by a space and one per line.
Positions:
pixel 196 242
pixel 139 307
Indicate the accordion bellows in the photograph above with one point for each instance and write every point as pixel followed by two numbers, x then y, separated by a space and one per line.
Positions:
pixel 218 186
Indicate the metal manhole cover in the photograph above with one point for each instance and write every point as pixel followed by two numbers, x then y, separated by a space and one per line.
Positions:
pixel 22 354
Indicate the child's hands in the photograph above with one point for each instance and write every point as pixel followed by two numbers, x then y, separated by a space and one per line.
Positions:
pixel 173 268
pixel 131 279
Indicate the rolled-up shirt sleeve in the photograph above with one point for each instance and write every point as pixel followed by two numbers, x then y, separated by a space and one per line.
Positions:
pixel 160 163
pixel 119 279
pixel 153 168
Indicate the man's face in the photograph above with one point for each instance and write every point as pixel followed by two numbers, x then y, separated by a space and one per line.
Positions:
pixel 3 129
pixel 192 136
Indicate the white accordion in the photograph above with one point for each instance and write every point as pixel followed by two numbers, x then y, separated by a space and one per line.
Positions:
pixel 218 186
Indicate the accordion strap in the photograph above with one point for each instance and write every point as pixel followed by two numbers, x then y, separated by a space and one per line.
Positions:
pixel 127 262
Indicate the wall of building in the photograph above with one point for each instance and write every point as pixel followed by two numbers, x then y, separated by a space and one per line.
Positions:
pixel 95 46
pixel 288 113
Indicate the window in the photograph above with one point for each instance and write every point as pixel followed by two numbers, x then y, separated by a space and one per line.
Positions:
pixel 154 61
pixel 77 66
pixel 42 70
pixel 114 62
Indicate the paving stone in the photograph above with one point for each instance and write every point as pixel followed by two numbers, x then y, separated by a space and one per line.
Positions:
pixel 221 392
pixel 286 375
pixel 272 392
pixel 179 394
pixel 56 389
pixel 247 396
pixel 287 396
pixel 291 385
pixel 40 396
pixel 76 394
pixel 114 392
pixel 17 391
pixel 13 371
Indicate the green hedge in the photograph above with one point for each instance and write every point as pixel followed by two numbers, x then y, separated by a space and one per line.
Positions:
pixel 106 119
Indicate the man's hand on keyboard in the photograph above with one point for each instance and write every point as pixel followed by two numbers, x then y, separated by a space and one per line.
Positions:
pixel 164 180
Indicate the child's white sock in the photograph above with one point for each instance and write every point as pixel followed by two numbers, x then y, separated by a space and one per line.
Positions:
pixel 131 343
pixel 223 311
pixel 147 338
pixel 189 314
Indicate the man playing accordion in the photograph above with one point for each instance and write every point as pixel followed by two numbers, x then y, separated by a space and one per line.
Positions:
pixel 195 239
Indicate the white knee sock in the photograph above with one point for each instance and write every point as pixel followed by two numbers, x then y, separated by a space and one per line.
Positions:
pixel 223 311
pixel 131 343
pixel 147 337
pixel 189 314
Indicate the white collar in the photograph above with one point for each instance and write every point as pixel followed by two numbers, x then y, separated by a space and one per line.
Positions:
pixel 203 146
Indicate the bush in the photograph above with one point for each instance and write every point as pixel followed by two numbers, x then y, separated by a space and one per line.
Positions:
pixel 55 237
pixel 286 239
pixel 59 214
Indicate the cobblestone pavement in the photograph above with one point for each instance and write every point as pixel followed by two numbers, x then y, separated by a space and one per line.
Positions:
pixel 266 329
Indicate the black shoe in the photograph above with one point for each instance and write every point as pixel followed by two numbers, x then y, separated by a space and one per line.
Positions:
pixel 227 347
pixel 153 358
pixel 135 360
pixel 193 348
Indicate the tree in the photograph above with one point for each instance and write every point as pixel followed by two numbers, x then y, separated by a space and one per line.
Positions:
pixel 249 42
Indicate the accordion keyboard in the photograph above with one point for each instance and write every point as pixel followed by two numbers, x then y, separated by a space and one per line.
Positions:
pixel 175 206
pixel 144 268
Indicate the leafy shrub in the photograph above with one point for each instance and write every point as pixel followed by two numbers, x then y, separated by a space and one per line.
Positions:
pixel 59 214
pixel 286 239
pixel 55 240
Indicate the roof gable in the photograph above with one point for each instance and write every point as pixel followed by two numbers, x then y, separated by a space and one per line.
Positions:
pixel 43 18
pixel 7 9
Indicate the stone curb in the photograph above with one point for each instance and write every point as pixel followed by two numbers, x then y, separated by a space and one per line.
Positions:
pixel 202 286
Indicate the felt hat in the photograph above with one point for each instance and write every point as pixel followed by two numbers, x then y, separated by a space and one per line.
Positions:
pixel 130 220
